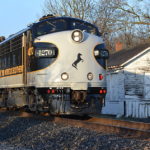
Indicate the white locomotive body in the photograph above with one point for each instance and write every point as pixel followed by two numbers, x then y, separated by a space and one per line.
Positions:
pixel 56 65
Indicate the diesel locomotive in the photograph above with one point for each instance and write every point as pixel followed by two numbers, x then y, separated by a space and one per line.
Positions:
pixel 55 65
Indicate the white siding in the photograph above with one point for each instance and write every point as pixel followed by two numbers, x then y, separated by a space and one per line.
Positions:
pixel 115 86
pixel 137 78
pixel 129 88
pixel 147 86
pixel 115 95
pixel 134 84
pixel 137 109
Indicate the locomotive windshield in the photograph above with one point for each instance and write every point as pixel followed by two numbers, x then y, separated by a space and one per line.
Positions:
pixel 63 24
pixel 49 26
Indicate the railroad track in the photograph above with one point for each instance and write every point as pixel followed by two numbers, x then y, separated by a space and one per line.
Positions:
pixel 107 125
pixel 124 128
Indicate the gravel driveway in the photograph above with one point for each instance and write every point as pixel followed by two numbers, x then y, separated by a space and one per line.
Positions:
pixel 18 133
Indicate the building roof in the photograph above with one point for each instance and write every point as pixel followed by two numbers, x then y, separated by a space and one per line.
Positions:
pixel 118 58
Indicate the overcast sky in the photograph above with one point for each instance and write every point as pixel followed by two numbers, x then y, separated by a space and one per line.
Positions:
pixel 15 15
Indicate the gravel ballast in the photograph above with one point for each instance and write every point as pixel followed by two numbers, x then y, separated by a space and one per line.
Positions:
pixel 30 133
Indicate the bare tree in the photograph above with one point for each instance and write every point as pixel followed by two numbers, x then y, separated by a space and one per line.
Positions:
pixel 120 19
pixel 125 21
pixel 137 15
pixel 83 9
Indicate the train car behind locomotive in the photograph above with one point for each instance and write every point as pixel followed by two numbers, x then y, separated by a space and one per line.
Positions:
pixel 56 65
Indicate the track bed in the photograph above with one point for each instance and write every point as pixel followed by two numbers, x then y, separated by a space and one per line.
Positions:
pixel 23 131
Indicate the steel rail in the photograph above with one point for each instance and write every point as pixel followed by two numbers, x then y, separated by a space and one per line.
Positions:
pixel 110 127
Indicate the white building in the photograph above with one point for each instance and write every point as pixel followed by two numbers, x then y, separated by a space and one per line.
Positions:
pixel 128 83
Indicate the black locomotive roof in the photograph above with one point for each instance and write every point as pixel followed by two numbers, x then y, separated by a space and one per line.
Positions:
pixel 15 35
pixel 66 18
pixel 43 20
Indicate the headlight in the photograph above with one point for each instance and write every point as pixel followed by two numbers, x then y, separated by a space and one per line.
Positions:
pixel 96 53
pixel 77 35
pixel 64 76
pixel 90 76
pixel 102 53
